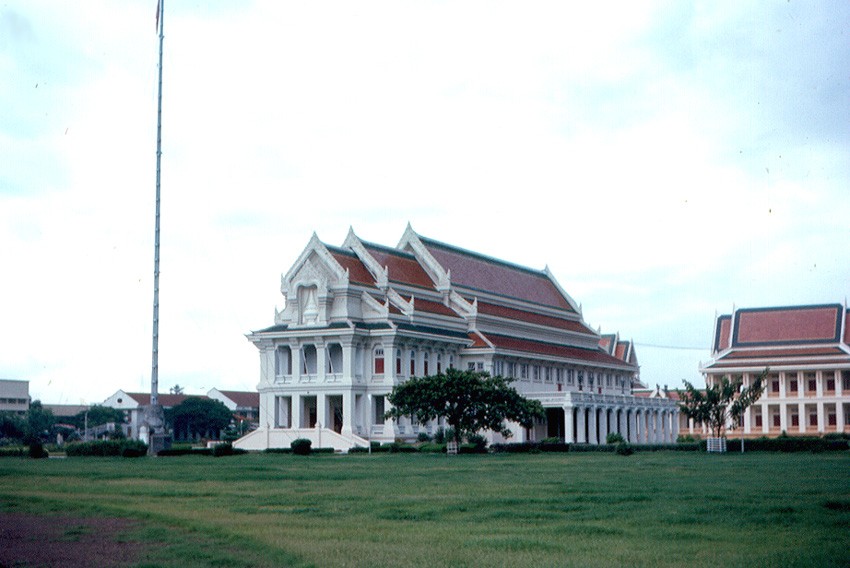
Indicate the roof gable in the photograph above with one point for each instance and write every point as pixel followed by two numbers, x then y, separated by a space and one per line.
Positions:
pixel 784 326
pixel 486 274
pixel 402 267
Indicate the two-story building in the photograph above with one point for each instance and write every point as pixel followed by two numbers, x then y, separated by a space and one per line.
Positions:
pixel 361 318
pixel 807 352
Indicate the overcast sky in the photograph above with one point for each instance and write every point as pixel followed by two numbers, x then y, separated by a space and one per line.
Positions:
pixel 666 160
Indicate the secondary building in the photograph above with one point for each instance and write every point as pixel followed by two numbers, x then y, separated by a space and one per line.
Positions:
pixel 806 349
pixel 361 318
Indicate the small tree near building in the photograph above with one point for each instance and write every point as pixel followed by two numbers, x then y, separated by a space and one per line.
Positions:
pixel 198 417
pixel 723 402
pixel 469 401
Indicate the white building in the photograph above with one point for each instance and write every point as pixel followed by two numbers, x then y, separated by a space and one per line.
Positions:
pixel 806 349
pixel 14 396
pixel 362 317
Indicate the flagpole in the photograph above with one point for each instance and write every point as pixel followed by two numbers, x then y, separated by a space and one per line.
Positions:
pixel 155 352
pixel 154 415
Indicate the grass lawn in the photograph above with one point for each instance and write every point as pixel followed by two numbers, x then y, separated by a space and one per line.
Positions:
pixel 589 509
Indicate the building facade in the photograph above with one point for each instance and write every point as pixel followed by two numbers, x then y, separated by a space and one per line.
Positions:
pixel 14 396
pixel 361 318
pixel 807 352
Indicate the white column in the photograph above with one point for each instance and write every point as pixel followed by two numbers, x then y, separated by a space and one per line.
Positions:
pixel 748 417
pixel 674 437
pixel 348 356
pixel 765 419
pixel 321 363
pixel 644 426
pixel 783 417
pixel 295 353
pixel 821 417
pixel 322 409
pixel 348 409
pixel 581 425
pixel 593 425
pixel 569 436
pixel 632 418
pixel 297 405
pixel 603 425
pixel 802 419
pixel 665 427
pixel 839 414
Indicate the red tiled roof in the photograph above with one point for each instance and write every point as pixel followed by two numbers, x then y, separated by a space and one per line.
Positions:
pixel 779 325
pixel 486 274
pixel 431 307
pixel 551 349
pixel 167 400
pixel 606 341
pixel 477 341
pixel 530 317
pixel 780 353
pixel 723 333
pixel 243 399
pixel 748 363
pixel 401 267
pixel 357 271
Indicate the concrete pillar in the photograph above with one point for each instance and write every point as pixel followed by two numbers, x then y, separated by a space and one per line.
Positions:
pixel 593 425
pixel 821 417
pixel 297 407
pixel 569 436
pixel 603 424
pixel 839 414
pixel 674 435
pixel 644 422
pixel 295 353
pixel 321 363
pixel 802 419
pixel 581 425
pixel 632 417
pixel 348 410
pixel 765 419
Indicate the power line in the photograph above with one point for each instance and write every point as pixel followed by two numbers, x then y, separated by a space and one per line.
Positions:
pixel 677 347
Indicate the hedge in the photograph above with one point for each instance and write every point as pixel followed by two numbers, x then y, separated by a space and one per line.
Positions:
pixel 787 444
pixel 102 448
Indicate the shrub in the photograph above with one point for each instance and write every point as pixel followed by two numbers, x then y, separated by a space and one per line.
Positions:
pixel 432 448
pixel 105 448
pixel 478 441
pixel 37 450
pixel 423 437
pixel 301 447
pixel 624 449
pixel 220 450
pixel 614 438
pixel 440 435
pixel 12 451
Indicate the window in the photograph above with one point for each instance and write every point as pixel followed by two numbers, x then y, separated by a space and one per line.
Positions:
pixel 590 379
pixel 282 361
pixel 333 358
pixel 379 361
pixel 776 421
pixel 470 366
pixel 813 419
pixel 830 385
pixel 523 371
pixel 425 364
pixel 309 360
pixel 570 376
pixel 412 362
pixel 439 363
pixel 480 366
pixel 498 368
pixel 512 370
pixel 451 361
pixel 813 386
pixel 774 386
pixel 580 379
pixel 758 420
pixel 398 362
pixel 845 380
pixel 608 380
pixel 793 385
pixel 535 370
pixel 795 420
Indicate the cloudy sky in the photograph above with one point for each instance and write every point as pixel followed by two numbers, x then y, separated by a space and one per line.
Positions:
pixel 666 160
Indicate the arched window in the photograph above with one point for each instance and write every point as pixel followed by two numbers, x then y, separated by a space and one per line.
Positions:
pixel 398 362
pixel 439 363
pixel 412 362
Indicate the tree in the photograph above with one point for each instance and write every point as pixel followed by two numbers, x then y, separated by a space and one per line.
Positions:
pixel 723 402
pixel 198 417
pixel 40 421
pixel 98 415
pixel 469 401
pixel 12 426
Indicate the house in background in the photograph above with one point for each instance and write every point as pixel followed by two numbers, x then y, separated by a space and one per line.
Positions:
pixel 245 406
pixel 14 396
pixel 364 317
pixel 807 352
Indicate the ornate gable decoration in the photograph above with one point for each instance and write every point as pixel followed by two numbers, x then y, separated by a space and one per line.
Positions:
pixel 308 286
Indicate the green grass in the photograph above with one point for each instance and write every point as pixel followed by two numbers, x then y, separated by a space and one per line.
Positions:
pixel 649 509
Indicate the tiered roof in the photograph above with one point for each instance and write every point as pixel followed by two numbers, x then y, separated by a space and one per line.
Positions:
pixel 782 337
pixel 495 304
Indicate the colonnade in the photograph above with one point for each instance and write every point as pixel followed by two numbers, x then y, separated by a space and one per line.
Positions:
pixel 589 419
